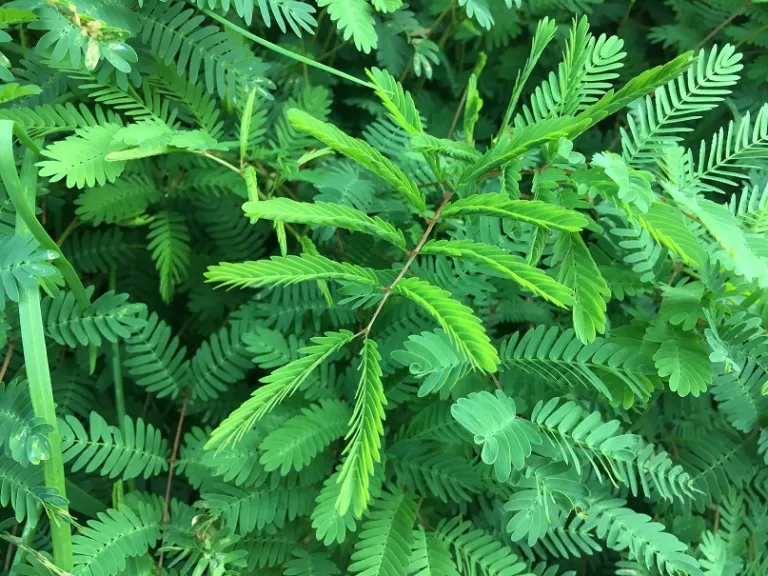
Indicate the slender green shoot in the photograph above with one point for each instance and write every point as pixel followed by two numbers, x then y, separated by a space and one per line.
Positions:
pixel 33 336
pixel 287 53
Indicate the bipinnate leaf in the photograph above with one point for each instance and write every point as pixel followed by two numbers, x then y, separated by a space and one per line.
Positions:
pixel 361 152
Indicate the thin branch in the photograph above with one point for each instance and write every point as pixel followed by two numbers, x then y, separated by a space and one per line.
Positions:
pixel 435 24
pixel 716 523
pixel 723 24
pixel 7 359
pixel 458 112
pixel 332 51
pixel 749 37
pixel 171 467
pixel 69 229
pixel 388 291
pixel 9 552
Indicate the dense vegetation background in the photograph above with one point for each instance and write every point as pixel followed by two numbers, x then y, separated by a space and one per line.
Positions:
pixel 495 280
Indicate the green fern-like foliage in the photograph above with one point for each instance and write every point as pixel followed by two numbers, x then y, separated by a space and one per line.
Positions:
pixel 138 450
pixel 295 443
pixel 383 288
pixel 492 420
pixel 24 491
pixel 478 551
pixel 168 239
pixel 175 35
pixel 386 537
pixel 98 250
pixel 660 121
pixel 121 200
pixel 23 263
pixel 364 436
pixel 109 318
pixel 646 540
pixel 81 159
pixel 219 362
pixel 106 544
pixel 155 360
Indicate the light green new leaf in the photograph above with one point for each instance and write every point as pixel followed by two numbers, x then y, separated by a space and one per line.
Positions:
pixel 330 526
pixel 662 121
pixel 636 88
pixel 458 321
pixel 531 211
pixel 364 437
pixel 397 101
pixel 323 214
pixel 286 270
pixel 590 291
pixel 361 152
pixel 725 228
pixel 505 438
pixel 504 264
pixel 666 225
pixel 472 106
pixel 278 386
pixel 508 149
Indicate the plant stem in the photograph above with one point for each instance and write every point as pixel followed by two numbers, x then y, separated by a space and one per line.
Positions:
pixel 38 372
pixel 287 53
pixel 7 359
pixel 9 552
pixel 117 379
pixel 388 291
pixel 27 534
pixel 723 24
pixel 172 466
pixel 69 229
pixel 435 24
pixel 459 109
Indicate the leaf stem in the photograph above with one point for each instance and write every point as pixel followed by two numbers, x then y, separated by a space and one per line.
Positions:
pixel 723 24
pixel 171 467
pixel 35 353
pixel 27 534
pixel 117 380
pixel 388 290
pixel 287 53
pixel 7 359
pixel 68 230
